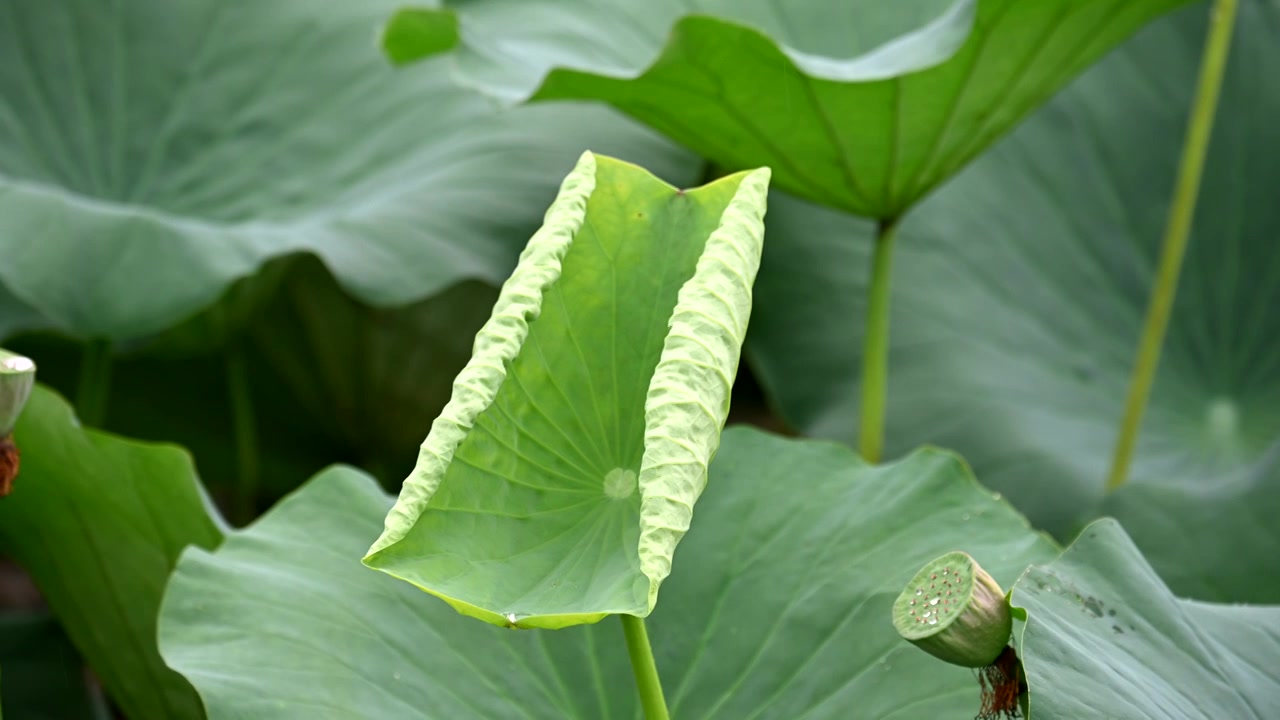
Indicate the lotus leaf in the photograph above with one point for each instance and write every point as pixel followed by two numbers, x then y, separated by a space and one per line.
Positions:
pixel 1020 296
pixel 555 485
pixel 98 522
pixel 1104 637
pixel 865 106
pixel 777 607
pixel 152 153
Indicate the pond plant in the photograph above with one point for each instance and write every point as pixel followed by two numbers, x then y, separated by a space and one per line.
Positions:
pixel 493 283
pixel 17 376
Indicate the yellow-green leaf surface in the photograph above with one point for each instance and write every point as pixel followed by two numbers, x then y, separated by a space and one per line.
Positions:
pixel 99 522
pixel 555 485
pixel 864 105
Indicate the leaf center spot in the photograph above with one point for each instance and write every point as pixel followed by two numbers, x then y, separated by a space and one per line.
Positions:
pixel 1223 418
pixel 619 483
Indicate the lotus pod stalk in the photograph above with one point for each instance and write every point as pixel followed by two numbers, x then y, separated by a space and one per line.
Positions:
pixel 17 376
pixel 955 611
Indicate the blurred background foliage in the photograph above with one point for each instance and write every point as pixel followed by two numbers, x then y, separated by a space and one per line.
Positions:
pixel 234 227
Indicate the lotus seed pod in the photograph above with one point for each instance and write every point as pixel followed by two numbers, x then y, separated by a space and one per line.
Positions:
pixel 17 376
pixel 953 610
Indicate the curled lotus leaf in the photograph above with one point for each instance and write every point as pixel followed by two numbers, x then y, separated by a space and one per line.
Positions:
pixel 556 483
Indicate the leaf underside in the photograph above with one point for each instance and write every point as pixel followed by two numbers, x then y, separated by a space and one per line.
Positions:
pixel 852 107
pixel 152 153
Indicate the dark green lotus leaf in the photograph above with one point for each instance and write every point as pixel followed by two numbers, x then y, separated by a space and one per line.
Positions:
pixel 1019 296
pixel 778 607
pixel 1104 637
pixel 864 106
pixel 555 485
pixel 372 378
pixel 99 522
pixel 151 153
pixel 331 379
pixel 152 397
pixel 43 676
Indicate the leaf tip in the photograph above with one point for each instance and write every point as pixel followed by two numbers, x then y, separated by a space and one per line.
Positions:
pixel 412 34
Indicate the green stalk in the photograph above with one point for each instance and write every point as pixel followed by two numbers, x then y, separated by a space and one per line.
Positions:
pixel 244 428
pixel 875 347
pixel 646 670
pixel 1177 231
pixel 95 382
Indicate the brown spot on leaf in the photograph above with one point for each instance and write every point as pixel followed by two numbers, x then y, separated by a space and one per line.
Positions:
pixel 8 464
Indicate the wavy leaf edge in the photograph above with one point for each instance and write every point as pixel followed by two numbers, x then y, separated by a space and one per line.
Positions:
pixel 914 51
pixel 673 471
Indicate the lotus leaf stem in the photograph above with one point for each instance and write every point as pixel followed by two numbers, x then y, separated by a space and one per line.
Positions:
pixel 646 670
pixel 1177 232
pixel 875 347
pixel 94 386
pixel 244 428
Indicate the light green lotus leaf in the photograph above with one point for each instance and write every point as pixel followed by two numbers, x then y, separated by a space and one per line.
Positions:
pixel 152 153
pixel 1104 637
pixel 1019 297
pixel 556 483
pixel 99 522
pixel 16 316
pixel 778 607
pixel 864 106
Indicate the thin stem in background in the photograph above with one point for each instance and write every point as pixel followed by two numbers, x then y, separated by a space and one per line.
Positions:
pixel 94 386
pixel 875 347
pixel 244 428
pixel 646 670
pixel 1195 147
